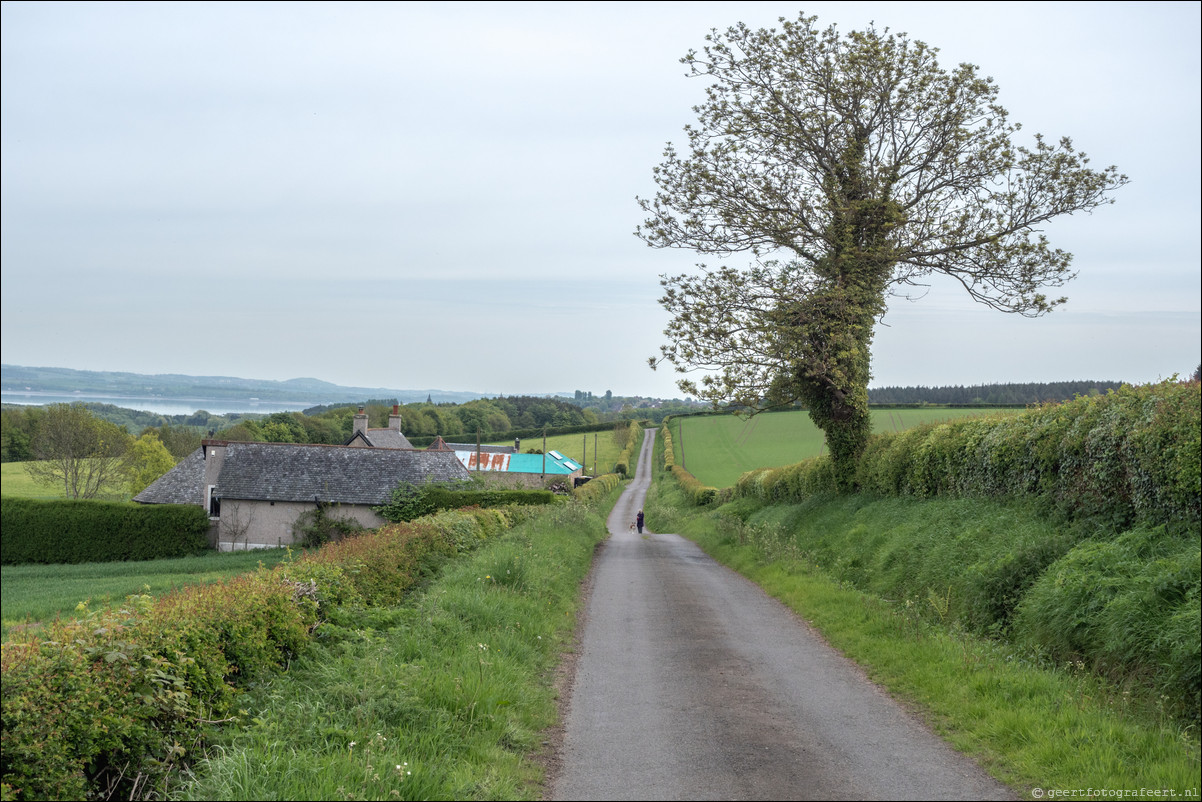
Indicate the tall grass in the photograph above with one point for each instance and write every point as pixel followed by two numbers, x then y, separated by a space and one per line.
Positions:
pixel 443 697
pixel 1031 720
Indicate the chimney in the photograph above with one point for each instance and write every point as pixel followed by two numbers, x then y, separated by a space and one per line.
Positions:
pixel 394 420
pixel 360 423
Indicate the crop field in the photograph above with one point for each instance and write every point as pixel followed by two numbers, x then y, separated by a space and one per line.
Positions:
pixel 718 449
pixel 33 593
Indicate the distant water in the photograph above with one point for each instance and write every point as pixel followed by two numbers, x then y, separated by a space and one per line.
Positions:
pixel 160 406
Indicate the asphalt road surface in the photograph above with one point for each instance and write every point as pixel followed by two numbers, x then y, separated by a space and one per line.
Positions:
pixel 691 683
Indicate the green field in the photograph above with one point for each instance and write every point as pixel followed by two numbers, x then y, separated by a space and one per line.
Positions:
pixel 16 481
pixel 718 449
pixel 41 592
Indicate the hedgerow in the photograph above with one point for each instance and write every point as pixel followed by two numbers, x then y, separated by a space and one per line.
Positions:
pixel 1112 581
pixel 1129 456
pixel 597 487
pixel 77 531
pixel 633 440
pixel 114 702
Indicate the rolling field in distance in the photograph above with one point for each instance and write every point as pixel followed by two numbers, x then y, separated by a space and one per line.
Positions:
pixel 718 449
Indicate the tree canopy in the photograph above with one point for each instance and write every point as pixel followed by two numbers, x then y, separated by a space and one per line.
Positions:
pixel 85 455
pixel 850 167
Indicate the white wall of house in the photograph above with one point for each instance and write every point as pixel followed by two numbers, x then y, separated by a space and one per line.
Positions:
pixel 270 524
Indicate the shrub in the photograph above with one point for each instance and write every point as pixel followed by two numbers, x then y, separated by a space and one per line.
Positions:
pixel 71 531
pixel 597 488
pixel 1129 606
pixel 113 703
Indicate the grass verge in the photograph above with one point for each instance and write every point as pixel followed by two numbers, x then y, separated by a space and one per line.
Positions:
pixel 444 697
pixel 1039 728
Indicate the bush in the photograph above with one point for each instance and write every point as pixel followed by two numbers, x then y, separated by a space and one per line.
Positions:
pixel 71 531
pixel 317 527
pixel 1129 606
pixel 112 704
pixel 597 488
pixel 1126 457
pixel 410 502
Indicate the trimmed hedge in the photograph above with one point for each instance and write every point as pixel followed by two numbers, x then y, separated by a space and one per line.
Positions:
pixel 71 531
pixel 699 494
pixel 1129 456
pixel 111 704
pixel 597 487
pixel 622 466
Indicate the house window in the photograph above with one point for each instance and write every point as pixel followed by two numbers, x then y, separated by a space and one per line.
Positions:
pixel 214 503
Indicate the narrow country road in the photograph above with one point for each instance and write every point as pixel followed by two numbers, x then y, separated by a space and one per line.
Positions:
pixel 691 683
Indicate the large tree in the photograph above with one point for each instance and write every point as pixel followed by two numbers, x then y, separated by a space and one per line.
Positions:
pixel 83 454
pixel 849 167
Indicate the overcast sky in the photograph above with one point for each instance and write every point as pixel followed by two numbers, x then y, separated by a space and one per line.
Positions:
pixel 442 195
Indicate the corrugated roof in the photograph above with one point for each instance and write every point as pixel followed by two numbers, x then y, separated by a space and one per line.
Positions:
pixel 518 463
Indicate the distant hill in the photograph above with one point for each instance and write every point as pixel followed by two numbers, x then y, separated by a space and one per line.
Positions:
pixel 169 386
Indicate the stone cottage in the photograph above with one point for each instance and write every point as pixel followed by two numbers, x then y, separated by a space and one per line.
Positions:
pixel 256 492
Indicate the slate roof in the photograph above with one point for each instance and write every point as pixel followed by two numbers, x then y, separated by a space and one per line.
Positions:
pixel 382 438
pixel 183 484
pixel 285 472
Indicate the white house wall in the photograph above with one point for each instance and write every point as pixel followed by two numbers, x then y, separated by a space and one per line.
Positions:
pixel 270 524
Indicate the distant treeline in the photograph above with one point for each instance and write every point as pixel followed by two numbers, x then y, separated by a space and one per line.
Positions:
pixel 988 394
pixel 494 419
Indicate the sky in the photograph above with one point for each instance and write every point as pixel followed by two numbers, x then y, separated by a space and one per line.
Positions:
pixel 443 195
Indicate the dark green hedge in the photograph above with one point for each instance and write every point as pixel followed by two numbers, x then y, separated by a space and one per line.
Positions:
pixel 410 501
pixel 69 531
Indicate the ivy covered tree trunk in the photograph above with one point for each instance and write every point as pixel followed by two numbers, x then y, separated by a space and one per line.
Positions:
pixel 847 166
pixel 830 329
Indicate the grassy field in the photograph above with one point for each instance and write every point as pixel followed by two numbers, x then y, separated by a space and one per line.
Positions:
pixel 718 449
pixel 16 481
pixel 33 593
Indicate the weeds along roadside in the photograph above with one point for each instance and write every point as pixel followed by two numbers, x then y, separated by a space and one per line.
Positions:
pixel 117 702
pixel 443 697
pixel 1030 722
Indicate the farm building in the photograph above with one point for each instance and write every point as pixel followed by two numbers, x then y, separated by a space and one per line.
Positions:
pixel 256 492
pixel 504 464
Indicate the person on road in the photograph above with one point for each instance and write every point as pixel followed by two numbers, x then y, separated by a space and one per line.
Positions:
pixel 638 519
